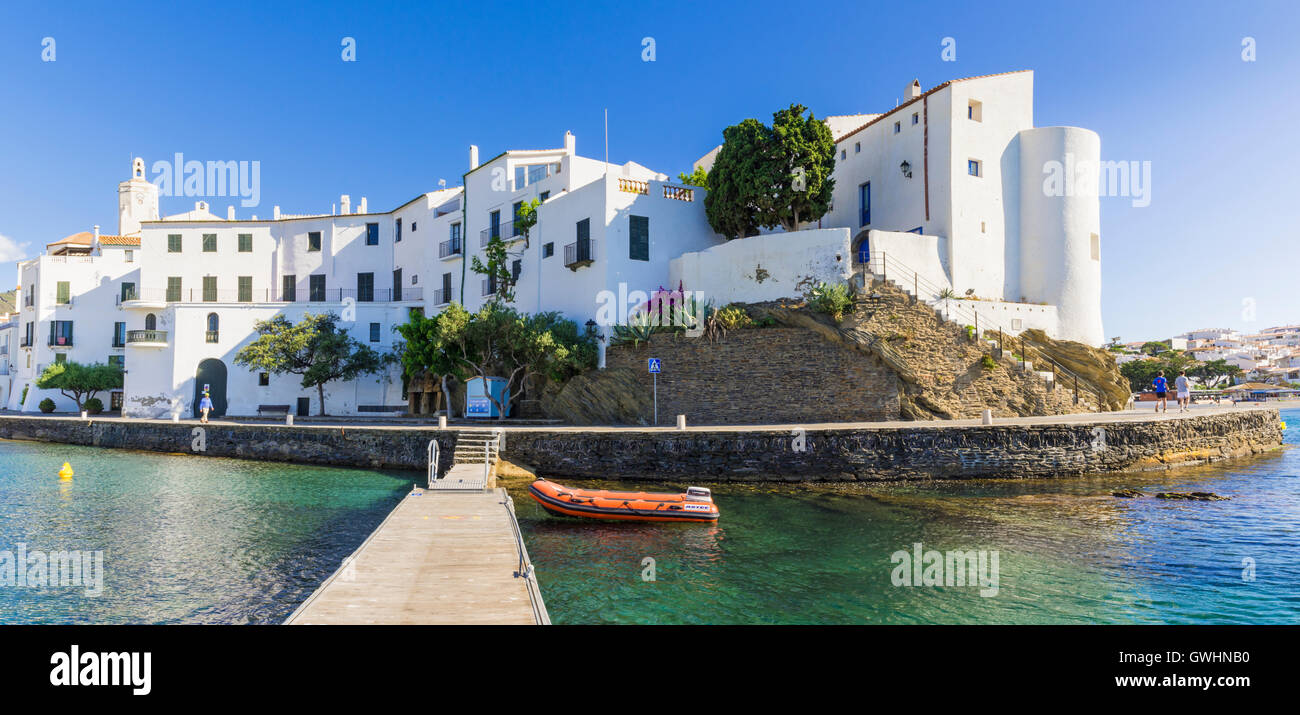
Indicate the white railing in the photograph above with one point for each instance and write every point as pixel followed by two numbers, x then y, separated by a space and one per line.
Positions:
pixel 433 462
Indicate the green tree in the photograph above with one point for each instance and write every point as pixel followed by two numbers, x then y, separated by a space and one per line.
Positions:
pixel 739 179
pixel 526 218
pixel 314 348
pixel 426 350
pixel 803 152
pixel 771 176
pixel 1153 348
pixel 497 269
pixel 1213 372
pixel 699 177
pixel 80 382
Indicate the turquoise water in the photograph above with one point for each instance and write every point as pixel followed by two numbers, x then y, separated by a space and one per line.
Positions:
pixel 205 540
pixel 1068 552
pixel 184 539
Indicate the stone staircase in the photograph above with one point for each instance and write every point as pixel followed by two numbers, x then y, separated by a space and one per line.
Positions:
pixel 962 316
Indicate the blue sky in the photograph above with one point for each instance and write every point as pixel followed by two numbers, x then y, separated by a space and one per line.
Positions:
pixel 1160 82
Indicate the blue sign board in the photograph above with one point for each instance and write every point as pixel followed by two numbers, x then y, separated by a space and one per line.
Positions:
pixel 654 365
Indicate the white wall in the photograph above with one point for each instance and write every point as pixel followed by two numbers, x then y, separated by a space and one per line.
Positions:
pixel 730 272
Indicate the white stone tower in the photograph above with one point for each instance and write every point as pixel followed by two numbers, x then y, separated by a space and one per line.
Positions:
pixel 137 200
pixel 1060 223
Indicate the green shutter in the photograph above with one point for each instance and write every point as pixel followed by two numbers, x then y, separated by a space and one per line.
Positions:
pixel 173 243
pixel 245 289
pixel 64 293
pixel 638 248
pixel 173 289
pixel 209 289
pixel 245 243
pixel 209 243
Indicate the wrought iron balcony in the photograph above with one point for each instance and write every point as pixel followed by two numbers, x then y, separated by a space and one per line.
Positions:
pixel 579 253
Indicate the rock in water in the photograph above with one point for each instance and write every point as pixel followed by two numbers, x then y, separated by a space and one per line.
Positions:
pixel 1128 493
pixel 1194 496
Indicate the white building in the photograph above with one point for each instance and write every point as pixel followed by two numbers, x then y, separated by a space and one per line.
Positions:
pixel 948 186
pixel 948 191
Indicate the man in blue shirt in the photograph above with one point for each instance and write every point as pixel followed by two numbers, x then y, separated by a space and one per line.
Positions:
pixel 1162 391
pixel 205 406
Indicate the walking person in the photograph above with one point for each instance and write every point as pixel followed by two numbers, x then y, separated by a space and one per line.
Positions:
pixel 205 406
pixel 1183 388
pixel 1162 391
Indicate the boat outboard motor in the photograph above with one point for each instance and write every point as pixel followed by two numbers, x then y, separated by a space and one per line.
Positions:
pixel 698 494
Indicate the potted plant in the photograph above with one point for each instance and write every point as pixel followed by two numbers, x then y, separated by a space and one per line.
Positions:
pixel 94 406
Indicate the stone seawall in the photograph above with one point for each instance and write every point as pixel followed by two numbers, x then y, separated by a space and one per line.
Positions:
pixel 905 451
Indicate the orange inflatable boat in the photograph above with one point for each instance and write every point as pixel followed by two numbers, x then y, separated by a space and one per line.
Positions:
pixel 696 505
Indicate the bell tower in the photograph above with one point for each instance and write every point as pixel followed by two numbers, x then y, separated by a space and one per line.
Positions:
pixel 137 200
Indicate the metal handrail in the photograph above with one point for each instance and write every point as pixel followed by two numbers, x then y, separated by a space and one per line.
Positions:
pixel 526 570
pixel 433 462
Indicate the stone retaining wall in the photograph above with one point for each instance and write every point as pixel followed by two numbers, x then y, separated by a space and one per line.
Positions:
pixel 914 451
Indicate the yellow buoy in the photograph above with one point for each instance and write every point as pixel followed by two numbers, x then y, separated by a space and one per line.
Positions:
pixel 1281 426
pixel 66 472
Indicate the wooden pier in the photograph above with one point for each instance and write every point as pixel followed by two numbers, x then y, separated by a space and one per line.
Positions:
pixel 441 557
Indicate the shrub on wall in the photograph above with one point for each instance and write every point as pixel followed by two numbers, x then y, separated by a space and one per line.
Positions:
pixel 94 406
pixel 47 405
pixel 831 299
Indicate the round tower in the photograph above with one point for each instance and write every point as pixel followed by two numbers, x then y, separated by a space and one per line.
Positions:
pixel 137 200
pixel 1060 227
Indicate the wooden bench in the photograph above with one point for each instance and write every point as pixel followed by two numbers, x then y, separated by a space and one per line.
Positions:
pixel 272 409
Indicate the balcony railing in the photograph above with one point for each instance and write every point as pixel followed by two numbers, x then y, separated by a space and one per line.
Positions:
pixel 441 296
pixel 579 253
pixel 25 342
pixel 450 248
pixel 60 341
pixel 489 286
pixel 274 295
pixel 679 193
pixel 505 232
pixel 146 336
pixel 632 186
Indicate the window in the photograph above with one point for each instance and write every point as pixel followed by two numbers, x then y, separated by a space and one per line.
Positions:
pixel 209 243
pixel 445 296
pixel 173 243
pixel 60 358
pixel 864 204
pixel 61 332
pixel 374 332
pixel 62 293
pixel 515 267
pixel 214 328
pixel 544 196
pixel 313 240
pixel 128 291
pixel 151 322
pixel 119 335
pixel 898 127
pixel 245 243
pixel 118 360
pixel 548 250
pixel 397 233
pixel 857 147
pixel 316 288
pixel 916 118
pixel 245 289
pixel 397 284
pixel 844 154
pixel 973 167
pixel 372 233
pixel 413 226
pixel 638 238
pixel 263 379
pixel 975 111
pixel 209 289
pixel 130 255
pixel 289 288
pixel 455 233
pixel 1016 323
pixel 1096 247
pixel 173 289
pixel 494 225
pixel 365 287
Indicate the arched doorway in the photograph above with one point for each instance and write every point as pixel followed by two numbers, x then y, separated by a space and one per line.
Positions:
pixel 862 250
pixel 211 372
pixel 150 322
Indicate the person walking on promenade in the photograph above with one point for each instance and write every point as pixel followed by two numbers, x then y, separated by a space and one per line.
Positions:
pixel 1162 391
pixel 205 406
pixel 1183 387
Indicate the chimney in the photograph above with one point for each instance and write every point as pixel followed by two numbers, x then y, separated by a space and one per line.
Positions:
pixel 346 202
pixel 913 90
pixel 473 157
pixel 570 143
pixel 94 242
pixel 275 213
pixel 361 206
pixel 230 213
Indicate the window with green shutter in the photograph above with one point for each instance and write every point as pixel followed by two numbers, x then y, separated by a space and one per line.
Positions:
pixel 63 293
pixel 245 289
pixel 638 244
pixel 173 243
pixel 313 240
pixel 245 243
pixel 173 289
pixel 209 289
pixel 209 243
